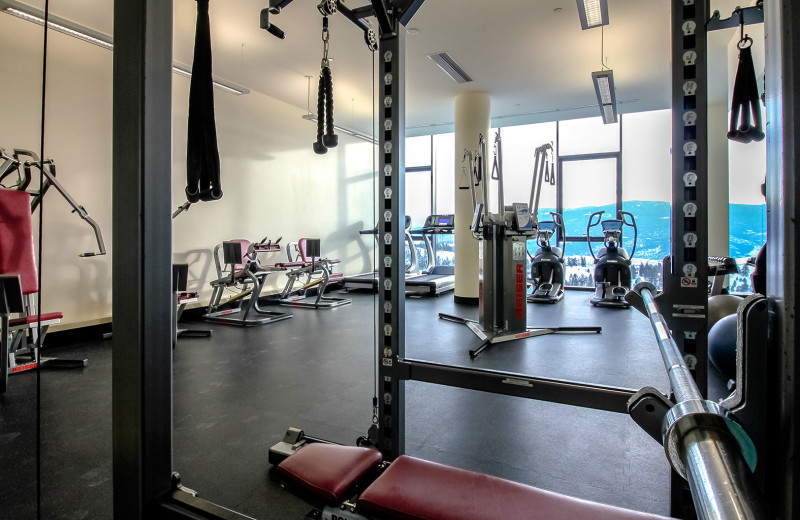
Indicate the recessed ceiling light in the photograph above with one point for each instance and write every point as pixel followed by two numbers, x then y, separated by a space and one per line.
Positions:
pixel 412 30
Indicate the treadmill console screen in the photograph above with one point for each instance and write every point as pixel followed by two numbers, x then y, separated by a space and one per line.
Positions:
pixel 439 222
pixel 444 220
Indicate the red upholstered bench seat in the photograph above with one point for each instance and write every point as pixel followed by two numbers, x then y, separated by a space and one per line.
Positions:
pixel 48 318
pixel 414 489
pixel 329 471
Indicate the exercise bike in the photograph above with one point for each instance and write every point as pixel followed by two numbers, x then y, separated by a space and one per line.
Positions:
pixel 547 265
pixel 612 271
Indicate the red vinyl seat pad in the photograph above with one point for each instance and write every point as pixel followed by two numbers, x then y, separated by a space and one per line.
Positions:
pixel 47 319
pixel 415 489
pixel 328 471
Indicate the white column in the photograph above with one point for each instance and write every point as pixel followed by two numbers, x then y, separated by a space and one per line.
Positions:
pixel 471 120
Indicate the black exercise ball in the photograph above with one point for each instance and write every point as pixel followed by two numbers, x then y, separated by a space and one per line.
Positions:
pixel 722 345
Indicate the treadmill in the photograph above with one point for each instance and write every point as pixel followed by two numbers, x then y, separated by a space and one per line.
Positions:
pixel 369 281
pixel 435 279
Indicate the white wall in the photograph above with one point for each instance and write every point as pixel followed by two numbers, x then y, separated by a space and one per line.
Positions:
pixel 273 184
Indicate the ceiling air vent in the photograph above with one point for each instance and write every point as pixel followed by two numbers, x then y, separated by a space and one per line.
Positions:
pixel 450 67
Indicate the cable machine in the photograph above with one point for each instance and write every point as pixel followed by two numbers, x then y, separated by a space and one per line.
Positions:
pixel 503 252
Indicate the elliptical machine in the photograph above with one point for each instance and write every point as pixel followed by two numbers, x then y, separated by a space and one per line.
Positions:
pixel 612 271
pixel 547 265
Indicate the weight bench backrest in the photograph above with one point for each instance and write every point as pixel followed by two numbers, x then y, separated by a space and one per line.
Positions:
pixel 17 255
pixel 241 260
pixel 309 249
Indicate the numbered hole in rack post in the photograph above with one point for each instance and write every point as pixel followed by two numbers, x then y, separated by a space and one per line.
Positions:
pixel 690 118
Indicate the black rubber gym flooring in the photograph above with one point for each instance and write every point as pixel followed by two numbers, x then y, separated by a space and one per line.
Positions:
pixel 237 392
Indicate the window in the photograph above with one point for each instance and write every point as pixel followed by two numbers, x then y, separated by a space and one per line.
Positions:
pixel 588 186
pixel 747 208
pixel 647 189
pixel 419 193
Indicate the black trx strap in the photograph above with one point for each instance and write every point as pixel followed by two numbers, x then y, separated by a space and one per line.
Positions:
pixel 202 155
pixel 745 99
pixel 326 138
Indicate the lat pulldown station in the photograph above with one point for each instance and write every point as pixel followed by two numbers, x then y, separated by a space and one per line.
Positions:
pixel 503 253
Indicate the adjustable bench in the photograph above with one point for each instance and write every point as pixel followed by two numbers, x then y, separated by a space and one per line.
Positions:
pixel 305 262
pixel 415 489
pixel 238 268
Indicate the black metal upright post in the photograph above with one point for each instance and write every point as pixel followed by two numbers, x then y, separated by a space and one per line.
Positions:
pixel 685 299
pixel 391 261
pixel 782 85
pixel 142 249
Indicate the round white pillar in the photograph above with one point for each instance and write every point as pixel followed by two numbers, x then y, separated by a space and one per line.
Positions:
pixel 472 119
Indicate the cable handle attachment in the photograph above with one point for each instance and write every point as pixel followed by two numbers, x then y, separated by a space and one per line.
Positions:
pixel 325 43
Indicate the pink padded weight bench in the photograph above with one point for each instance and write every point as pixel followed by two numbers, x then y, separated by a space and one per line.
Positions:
pixel 415 489
pixel 238 268
pixel 305 262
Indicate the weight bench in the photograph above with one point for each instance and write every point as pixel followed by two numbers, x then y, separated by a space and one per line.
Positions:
pixel 305 262
pixel 180 299
pixel 239 269
pixel 414 489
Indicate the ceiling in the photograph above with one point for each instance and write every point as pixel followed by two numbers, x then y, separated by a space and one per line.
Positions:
pixel 531 56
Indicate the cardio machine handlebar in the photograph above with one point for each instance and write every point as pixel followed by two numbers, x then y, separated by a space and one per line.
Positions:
pixel 622 216
pixel 592 223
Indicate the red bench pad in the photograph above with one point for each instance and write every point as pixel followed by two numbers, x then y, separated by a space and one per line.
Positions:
pixel 414 489
pixel 328 471
pixel 29 320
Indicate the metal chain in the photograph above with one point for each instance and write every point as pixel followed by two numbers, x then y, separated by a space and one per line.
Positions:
pixel 325 38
